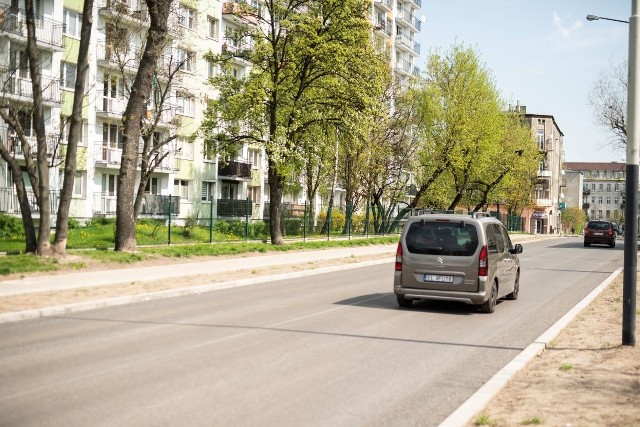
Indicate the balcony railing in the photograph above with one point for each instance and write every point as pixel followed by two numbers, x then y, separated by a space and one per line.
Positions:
pixel 107 155
pixel 585 205
pixel 9 201
pixel 233 208
pixel 14 21
pixel 235 168
pixel 152 204
pixel 14 146
pixel 123 57
pixel 18 83
pixel 586 192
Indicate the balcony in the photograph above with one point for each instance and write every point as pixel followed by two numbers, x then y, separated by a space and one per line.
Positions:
pixel 13 23
pixel 406 17
pixel 234 168
pixel 386 5
pixel 121 57
pixel 17 85
pixel 14 146
pixel 585 205
pixel 9 201
pixel 586 192
pixel 241 12
pixel 152 204
pixel 132 11
pixel 544 174
pixel 233 208
pixel 109 107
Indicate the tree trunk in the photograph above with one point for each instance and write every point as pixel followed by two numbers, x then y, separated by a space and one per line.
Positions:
pixel 23 201
pixel 75 130
pixel 275 204
pixel 155 42
pixel 44 231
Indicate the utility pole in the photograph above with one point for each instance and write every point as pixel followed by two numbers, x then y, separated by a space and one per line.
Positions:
pixel 630 274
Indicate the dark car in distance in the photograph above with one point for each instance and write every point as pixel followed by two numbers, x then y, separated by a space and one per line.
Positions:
pixel 600 232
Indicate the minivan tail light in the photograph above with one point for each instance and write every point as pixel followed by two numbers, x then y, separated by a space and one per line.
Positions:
pixel 483 262
pixel 399 257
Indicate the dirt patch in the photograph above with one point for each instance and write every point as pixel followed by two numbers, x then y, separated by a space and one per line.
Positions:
pixel 584 378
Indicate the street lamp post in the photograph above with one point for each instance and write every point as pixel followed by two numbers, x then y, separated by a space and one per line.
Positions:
pixel 630 275
pixel 630 269
pixel 595 18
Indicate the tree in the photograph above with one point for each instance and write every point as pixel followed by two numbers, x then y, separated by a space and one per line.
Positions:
pixel 158 10
pixel 21 116
pixel 573 219
pixel 311 61
pixel 75 129
pixel 608 101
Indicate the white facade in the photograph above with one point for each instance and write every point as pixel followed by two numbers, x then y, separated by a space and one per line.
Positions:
pixel 187 172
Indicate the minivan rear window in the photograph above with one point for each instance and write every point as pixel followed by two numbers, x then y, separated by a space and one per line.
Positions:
pixel 438 238
pixel 599 225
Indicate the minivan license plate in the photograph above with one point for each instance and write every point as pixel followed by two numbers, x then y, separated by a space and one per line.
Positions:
pixel 436 278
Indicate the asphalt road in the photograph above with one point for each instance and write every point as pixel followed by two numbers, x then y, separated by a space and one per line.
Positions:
pixel 324 350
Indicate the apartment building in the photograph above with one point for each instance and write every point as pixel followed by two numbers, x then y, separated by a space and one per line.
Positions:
pixel 188 175
pixel 549 198
pixel 603 189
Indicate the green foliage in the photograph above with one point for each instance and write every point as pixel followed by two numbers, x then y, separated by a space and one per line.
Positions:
pixel 532 421
pixel 10 227
pixel 73 223
pixel 325 74
pixel 565 367
pixel 484 420
pixel 573 218
pixel 337 220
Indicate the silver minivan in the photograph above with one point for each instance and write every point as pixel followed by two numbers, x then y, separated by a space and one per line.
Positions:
pixel 455 257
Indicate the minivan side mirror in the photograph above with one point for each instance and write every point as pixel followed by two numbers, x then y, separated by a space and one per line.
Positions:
pixel 517 249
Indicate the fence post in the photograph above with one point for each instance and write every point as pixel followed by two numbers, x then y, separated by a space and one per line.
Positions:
pixel 169 230
pixel 246 224
pixel 304 223
pixel 366 221
pixel 211 222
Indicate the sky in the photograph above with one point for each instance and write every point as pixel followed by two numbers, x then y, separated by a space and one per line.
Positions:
pixel 543 54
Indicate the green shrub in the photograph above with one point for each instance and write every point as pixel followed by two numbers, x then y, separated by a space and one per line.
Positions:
pixel 10 227
pixel 337 220
pixel 101 221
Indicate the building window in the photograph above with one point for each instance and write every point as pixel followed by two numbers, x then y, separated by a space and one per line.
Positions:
pixel 230 190
pixel 608 200
pixel 616 186
pixel 187 17
pixel 84 132
pixel 593 186
pixel 608 186
pixel 212 69
pixel 212 31
pixel 152 186
pixel 593 200
pixel 615 200
pixel 72 23
pixel 80 184
pixel 67 75
pixel 208 190
pixel 254 158
pixel 181 188
pixel 601 186
pixel 186 104
pixel 540 137
pixel 254 194
pixel 186 59
pixel 184 148
pixel 600 199
pixel 600 213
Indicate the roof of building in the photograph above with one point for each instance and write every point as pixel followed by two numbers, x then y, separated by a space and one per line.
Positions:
pixel 544 116
pixel 592 166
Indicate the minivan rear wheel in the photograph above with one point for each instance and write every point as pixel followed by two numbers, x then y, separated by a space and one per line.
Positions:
pixel 490 305
pixel 403 302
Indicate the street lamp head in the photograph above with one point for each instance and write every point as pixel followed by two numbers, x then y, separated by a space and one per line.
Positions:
pixel 592 18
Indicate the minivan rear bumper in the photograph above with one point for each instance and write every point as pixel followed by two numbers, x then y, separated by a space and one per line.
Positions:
pixel 474 298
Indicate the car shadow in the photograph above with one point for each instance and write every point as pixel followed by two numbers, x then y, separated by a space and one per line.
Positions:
pixel 387 301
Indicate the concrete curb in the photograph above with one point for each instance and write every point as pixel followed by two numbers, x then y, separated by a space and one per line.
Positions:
pixel 130 299
pixel 483 396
